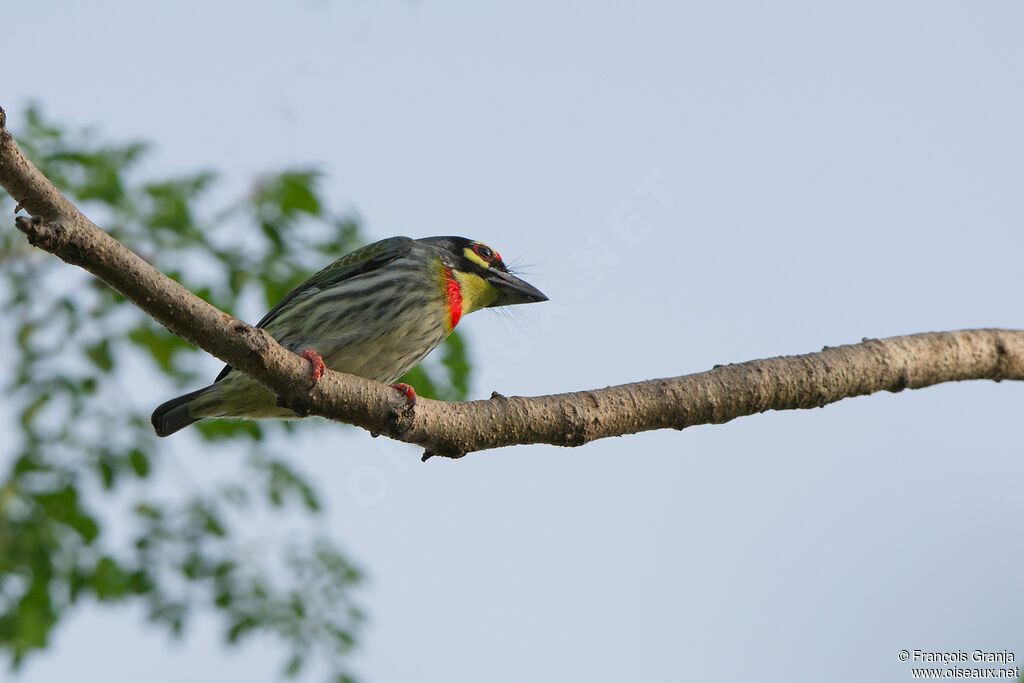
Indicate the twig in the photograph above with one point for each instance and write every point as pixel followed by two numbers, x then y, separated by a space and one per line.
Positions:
pixel 454 429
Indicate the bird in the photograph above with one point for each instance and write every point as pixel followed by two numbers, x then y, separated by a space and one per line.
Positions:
pixel 375 312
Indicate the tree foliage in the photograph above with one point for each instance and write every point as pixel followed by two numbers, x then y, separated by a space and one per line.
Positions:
pixel 79 450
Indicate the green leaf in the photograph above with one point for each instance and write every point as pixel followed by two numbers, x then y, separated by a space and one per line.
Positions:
pixel 28 415
pixel 161 345
pixel 222 430
pixel 294 666
pixel 454 357
pixel 171 202
pixel 100 356
pixel 86 526
pixel 297 193
pixel 139 462
pixel 240 628
pixel 148 511
pixel 61 504
pixel 283 480
pixel 109 581
pixel 35 617
pixel 26 463
pixel 289 193
pixel 107 472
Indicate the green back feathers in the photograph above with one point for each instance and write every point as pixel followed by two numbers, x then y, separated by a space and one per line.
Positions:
pixel 364 260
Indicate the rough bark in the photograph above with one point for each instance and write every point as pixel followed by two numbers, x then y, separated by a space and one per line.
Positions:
pixel 454 429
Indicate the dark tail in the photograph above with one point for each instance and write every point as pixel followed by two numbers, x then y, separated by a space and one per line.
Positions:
pixel 173 415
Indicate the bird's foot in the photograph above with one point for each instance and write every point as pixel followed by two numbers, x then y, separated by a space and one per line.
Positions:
pixel 407 391
pixel 318 365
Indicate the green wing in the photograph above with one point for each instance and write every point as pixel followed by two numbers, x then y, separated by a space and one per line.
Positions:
pixel 364 260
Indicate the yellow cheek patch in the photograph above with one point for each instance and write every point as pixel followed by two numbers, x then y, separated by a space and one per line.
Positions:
pixel 477 293
pixel 475 258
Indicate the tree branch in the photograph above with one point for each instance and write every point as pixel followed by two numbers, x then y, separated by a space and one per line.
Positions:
pixel 454 429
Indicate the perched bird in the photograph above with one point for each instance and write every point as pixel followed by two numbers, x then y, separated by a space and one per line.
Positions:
pixel 375 312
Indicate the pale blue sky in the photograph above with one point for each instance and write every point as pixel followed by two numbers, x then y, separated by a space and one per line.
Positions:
pixel 822 172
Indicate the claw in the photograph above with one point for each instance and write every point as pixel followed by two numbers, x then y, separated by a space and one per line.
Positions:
pixel 317 362
pixel 410 393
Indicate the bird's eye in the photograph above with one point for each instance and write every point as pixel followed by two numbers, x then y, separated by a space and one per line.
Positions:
pixel 484 252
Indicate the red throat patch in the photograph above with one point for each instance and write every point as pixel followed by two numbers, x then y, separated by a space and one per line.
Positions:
pixel 454 299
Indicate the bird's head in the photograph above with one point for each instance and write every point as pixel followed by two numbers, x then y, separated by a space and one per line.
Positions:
pixel 483 279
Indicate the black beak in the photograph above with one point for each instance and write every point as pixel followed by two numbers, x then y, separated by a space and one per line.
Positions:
pixel 512 290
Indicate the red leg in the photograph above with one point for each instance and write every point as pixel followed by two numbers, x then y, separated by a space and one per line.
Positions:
pixel 317 362
pixel 410 393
